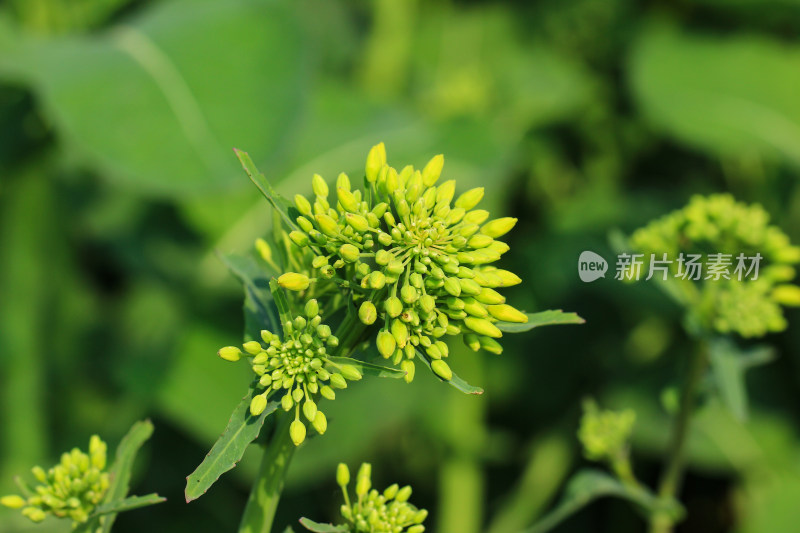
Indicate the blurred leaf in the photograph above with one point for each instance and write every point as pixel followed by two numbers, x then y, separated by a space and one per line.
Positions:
pixel 120 471
pixel 455 381
pixel 258 314
pixel 128 504
pixel 159 101
pixel 242 429
pixel 322 528
pixel 544 318
pixel 369 368
pixel 729 96
pixel 588 485
pixel 729 364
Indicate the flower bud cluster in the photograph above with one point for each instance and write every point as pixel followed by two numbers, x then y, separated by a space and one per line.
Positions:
pixel 719 224
pixel 418 261
pixel 71 489
pixel 296 370
pixel 604 434
pixel 378 512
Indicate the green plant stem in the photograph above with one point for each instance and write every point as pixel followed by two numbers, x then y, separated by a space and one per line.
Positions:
pixel 662 521
pixel 266 491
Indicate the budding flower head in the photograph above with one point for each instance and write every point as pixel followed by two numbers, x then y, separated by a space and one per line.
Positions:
pixel 604 434
pixel 296 370
pixel 72 489
pixel 417 263
pixel 378 512
pixel 745 264
pixel 294 281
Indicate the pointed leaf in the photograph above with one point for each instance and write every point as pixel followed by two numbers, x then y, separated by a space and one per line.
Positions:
pixel 544 318
pixel 588 485
pixel 120 471
pixel 242 429
pixel 455 381
pixel 728 365
pixel 370 368
pixel 322 528
pixel 283 206
pixel 128 504
pixel 258 313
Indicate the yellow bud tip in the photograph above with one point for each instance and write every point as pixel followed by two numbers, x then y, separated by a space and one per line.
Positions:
pixel 498 227
pixel 376 159
pixel 230 353
pixel 342 475
pixel 788 295
pixel 258 404
pixel 432 171
pixel 297 431
pixel 13 501
pixel 294 281
pixel 506 313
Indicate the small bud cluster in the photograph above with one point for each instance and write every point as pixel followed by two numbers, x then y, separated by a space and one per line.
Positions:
pixel 418 262
pixel 719 224
pixel 603 433
pixel 71 489
pixel 378 512
pixel 297 368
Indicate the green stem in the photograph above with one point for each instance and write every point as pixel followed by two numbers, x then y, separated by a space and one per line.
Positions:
pixel 663 521
pixel 266 491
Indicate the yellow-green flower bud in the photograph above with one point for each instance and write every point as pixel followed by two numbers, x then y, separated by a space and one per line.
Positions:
pixel 403 494
pixel 264 250
pixel 309 409
pixel 327 225
pixel 320 422
pixel 299 238
pixel 480 241
pixel 400 333
pixel 357 222
pixel 376 280
pixel 442 369
pixel 409 294
pixel 319 186
pixel 349 253
pixel 470 199
pixel 342 475
pixel 293 281
pixel 476 216
pixel 230 353
pixel 337 381
pixel 34 514
pixel 252 347
pixel 376 159
pixel 312 308
pixel 787 295
pixel 472 342
pixel 350 372
pixel 302 203
pixel 297 432
pixel 432 171
pixel 393 306
pixel 418 528
pixel 258 404
pixel 507 279
pixel 506 313
pixel 367 313
pixel 287 402
pixel 327 392
pixel 363 481
pixel 483 327
pixel 347 199
pixel 409 368
pixel 490 296
pixel 13 501
pixel 445 192
pixel 498 227
pixel 452 286
pixel 490 345
pixel 386 343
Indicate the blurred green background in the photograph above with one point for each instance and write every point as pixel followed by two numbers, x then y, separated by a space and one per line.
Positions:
pixel 581 117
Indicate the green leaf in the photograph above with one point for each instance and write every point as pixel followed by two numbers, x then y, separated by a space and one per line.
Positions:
pixel 287 209
pixel 322 528
pixel 455 381
pixel 258 313
pixel 544 318
pixel 284 311
pixel 588 485
pixel 729 364
pixel 242 429
pixel 128 504
pixel 120 471
pixel 182 83
pixel 732 96
pixel 370 368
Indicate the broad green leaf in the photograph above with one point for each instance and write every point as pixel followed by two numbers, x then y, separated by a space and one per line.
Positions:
pixel 128 504
pixel 370 368
pixel 729 364
pixel 730 95
pixel 287 209
pixel 158 101
pixel 590 484
pixel 120 471
pixel 242 429
pixel 455 381
pixel 322 528
pixel 258 313
pixel 543 318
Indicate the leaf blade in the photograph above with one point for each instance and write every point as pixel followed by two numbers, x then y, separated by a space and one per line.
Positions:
pixel 552 317
pixel 128 504
pixel 370 368
pixel 283 206
pixel 455 381
pixel 316 527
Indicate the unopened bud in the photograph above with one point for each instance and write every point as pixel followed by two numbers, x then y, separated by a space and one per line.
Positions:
pixel 506 313
pixel 367 313
pixel 258 404
pixel 376 159
pixel 432 171
pixel 12 501
pixel 297 432
pixel 483 327
pixel 349 253
pixel 386 343
pixel 230 353
pixel 342 475
pixel 320 422
pixel 470 199
pixel 442 369
pixel 319 186
pixel 294 281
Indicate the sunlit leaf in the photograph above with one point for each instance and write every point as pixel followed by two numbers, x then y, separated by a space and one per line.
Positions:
pixel 370 368
pixel 543 318
pixel 455 381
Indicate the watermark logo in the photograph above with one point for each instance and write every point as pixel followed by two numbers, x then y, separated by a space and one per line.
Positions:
pixel 591 266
